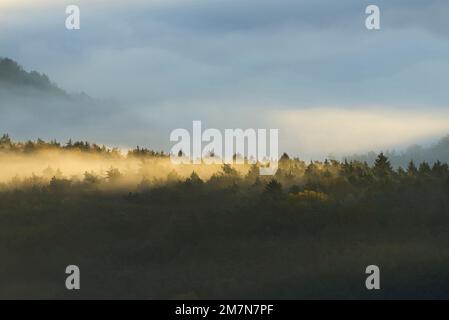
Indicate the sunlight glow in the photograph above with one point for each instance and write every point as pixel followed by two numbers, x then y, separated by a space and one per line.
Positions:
pixel 341 131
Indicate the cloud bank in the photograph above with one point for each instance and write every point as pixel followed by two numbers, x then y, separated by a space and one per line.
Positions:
pixel 234 63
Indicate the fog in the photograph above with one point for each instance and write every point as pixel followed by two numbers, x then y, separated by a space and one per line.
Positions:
pixel 114 168
pixel 250 64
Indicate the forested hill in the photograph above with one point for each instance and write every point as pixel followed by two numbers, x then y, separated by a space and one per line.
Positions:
pixel 431 154
pixel 13 76
pixel 32 105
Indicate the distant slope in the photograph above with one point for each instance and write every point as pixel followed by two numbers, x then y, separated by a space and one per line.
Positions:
pixel 430 154
pixel 14 77
pixel 31 105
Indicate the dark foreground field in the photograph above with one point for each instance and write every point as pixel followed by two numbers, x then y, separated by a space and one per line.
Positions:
pixel 230 238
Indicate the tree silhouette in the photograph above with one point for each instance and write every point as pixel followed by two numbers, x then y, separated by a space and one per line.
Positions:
pixel 273 189
pixel 382 166
pixel 113 174
pixel 411 169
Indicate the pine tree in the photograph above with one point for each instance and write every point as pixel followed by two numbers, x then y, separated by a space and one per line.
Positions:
pixel 411 169
pixel 382 166
pixel 273 189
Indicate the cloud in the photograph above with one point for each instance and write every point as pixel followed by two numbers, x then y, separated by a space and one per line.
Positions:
pixel 320 131
pixel 221 61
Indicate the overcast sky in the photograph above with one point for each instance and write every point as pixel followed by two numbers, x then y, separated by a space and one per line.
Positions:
pixel 309 68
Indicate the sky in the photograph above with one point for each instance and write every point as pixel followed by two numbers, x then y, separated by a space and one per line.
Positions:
pixel 309 68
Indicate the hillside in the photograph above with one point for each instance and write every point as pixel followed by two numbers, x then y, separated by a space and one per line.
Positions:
pixel 32 105
pixel 14 77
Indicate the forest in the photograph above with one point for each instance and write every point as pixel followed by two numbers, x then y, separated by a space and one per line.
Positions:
pixel 140 227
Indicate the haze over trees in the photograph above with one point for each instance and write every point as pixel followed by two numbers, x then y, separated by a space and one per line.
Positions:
pixel 431 154
pixel 32 105
pixel 139 226
pixel 13 76
pixel 142 228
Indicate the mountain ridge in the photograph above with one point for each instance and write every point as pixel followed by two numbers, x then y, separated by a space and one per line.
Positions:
pixel 14 76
